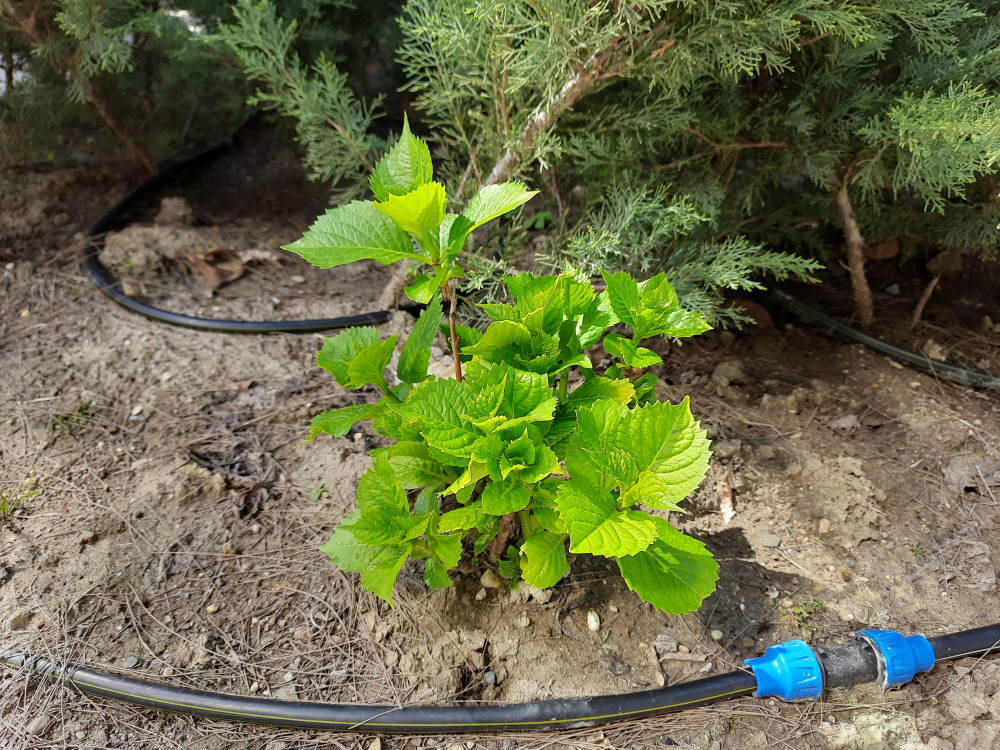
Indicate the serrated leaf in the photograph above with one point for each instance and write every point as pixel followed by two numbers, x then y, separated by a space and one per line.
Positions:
pixel 468 478
pixel 405 167
pixel 414 466
pixel 623 294
pixel 543 561
pixel 346 551
pixel 546 462
pixel 629 353
pixel 436 574
pixel 550 520
pixel 378 488
pixel 354 231
pixel 682 323
pixel 368 365
pixel 338 422
pixel 674 574
pixel 379 576
pixel 419 211
pixel 416 354
pixel 489 527
pixel 619 391
pixel 339 351
pixel 652 491
pixel 422 289
pixel 447 548
pixel 437 406
pixel 489 203
pixel 460 519
pixel 501 498
pixel 501 335
pixel 597 527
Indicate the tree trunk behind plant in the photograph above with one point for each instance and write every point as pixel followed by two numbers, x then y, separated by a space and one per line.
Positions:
pixel 855 251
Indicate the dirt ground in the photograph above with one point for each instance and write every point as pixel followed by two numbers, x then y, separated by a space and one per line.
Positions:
pixel 168 516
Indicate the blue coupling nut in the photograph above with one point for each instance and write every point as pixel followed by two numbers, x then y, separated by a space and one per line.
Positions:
pixel 899 656
pixel 787 670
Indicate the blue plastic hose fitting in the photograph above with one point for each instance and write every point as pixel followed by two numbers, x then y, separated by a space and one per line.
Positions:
pixel 787 670
pixel 899 656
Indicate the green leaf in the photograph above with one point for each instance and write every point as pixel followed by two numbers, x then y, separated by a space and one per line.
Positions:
pixel 489 203
pixel 338 422
pixel 501 498
pixel 623 294
pixel 674 574
pixel 682 323
pixel 436 574
pixel 597 527
pixel 619 391
pixel 344 549
pixel 378 488
pixel 632 355
pixel 544 559
pixel 447 548
pixel 339 351
pixel 437 406
pixel 416 354
pixel 461 519
pixel 407 166
pixel 379 576
pixel 419 211
pixel 501 335
pixel 368 365
pixel 422 288
pixel 414 466
pixel 354 231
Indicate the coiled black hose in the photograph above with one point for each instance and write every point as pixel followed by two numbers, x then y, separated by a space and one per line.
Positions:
pixel 104 280
pixel 848 664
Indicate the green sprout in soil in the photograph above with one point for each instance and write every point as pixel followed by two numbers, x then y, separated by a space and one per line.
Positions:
pixel 69 421
pixel 10 503
pixel 528 451
pixel 803 612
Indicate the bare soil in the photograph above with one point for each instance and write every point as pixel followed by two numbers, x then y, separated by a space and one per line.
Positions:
pixel 175 530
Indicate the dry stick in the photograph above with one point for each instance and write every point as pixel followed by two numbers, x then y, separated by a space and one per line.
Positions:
pixel 919 309
pixel 855 248
pixel 452 300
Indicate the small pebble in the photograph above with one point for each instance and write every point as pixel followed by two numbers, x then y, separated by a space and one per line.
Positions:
pixel 289 677
pixel 255 687
pixel 613 609
pixel 771 592
pixel 490 579
pixel 824 526
pixel 137 410
pixel 212 608
pixel 39 724
pixel 666 643
pixel 480 595
pixel 296 279
pixel 716 635
pixel 683 650
pixel 770 540
pixel 850 563
pixel 786 603
pixel 593 621
pixel 706 668
pixel 490 677
pixel 376 744
pixel 167 671
pixel 523 621
pixel 255 528
pixel 130 662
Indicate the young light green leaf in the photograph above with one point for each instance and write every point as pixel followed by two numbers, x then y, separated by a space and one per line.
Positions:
pixel 379 576
pixel 407 166
pixel 623 294
pixel 597 527
pixel 682 323
pixel 619 391
pixel 354 231
pixel 501 498
pixel 337 422
pixel 460 519
pixel 416 354
pixel 419 211
pixel 437 406
pixel 543 561
pixel 490 203
pixel 446 547
pixel 501 335
pixel 674 574
pixel 626 351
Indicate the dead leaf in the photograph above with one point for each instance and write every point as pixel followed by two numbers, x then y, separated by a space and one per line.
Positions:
pixel 217 266
pixel 882 250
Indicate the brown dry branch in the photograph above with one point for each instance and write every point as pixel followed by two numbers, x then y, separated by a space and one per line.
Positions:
pixel 918 311
pixel 855 247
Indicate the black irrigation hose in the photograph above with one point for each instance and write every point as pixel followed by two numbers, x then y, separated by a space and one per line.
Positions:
pixel 937 367
pixel 106 281
pixel 564 713
pixel 842 665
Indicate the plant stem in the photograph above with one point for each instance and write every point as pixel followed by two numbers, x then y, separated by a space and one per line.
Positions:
pixel 563 385
pixel 855 250
pixel 452 304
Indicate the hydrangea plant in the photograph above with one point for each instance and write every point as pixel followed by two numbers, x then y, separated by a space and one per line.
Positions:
pixel 528 453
